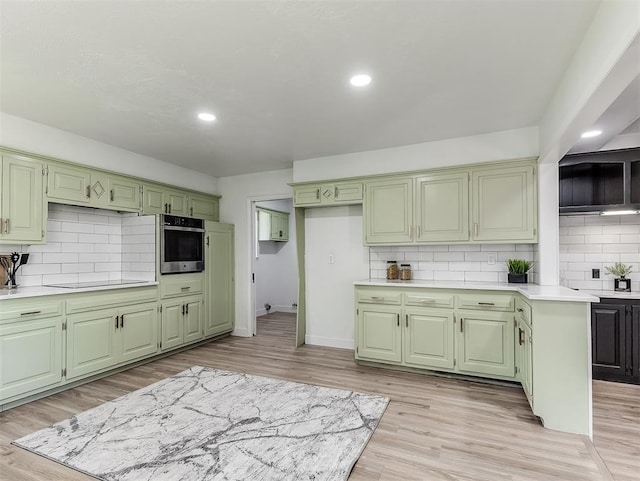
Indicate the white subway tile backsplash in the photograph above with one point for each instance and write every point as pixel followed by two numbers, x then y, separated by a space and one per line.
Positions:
pixel 607 240
pixel 450 262
pixel 89 245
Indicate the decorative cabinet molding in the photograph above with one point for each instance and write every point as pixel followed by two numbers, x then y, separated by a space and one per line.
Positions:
pixel 335 193
pixel 483 204
pixel 22 203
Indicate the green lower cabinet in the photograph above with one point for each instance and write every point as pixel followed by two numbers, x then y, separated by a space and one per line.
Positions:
pixel 526 361
pixel 219 279
pixel 181 321
pixel 30 356
pixel 101 339
pixel 379 333
pixel 429 338
pixel 486 343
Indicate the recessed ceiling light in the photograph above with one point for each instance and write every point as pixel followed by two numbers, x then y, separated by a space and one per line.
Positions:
pixel 360 80
pixel 591 133
pixel 207 117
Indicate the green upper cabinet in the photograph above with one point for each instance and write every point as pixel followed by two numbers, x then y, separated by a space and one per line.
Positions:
pixel 83 186
pixel 220 282
pixel 159 199
pixel 22 203
pixel 124 194
pixel 335 193
pixel 204 207
pixel 484 204
pixel 388 211
pixel 504 204
pixel 442 207
pixel 273 225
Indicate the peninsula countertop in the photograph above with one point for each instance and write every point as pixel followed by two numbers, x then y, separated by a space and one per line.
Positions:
pixel 533 292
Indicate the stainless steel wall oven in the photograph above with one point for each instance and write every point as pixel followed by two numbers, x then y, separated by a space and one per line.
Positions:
pixel 181 244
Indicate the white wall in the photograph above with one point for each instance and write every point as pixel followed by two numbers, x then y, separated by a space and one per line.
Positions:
pixel 336 232
pixel 505 145
pixel 235 208
pixel 276 267
pixel 33 137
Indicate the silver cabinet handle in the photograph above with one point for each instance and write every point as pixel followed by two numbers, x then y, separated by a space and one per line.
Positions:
pixel 520 309
pixel 377 298
pixel 111 195
pixel 486 304
pixel 88 192
pixel 117 318
pixel 475 229
pixel 335 192
pixel 6 226
pixel 406 318
pixel 30 313
pixel 185 288
pixel 318 194
pixel 426 301
pixel 461 324
pixel 398 318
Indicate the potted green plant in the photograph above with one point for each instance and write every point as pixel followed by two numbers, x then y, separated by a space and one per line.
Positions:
pixel 518 269
pixel 621 271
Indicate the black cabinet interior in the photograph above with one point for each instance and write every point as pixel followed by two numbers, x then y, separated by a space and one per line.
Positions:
pixel 615 340
pixel 599 180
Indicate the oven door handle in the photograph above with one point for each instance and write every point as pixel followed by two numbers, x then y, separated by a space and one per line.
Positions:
pixel 183 229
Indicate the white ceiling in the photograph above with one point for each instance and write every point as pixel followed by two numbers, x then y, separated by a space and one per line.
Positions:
pixel 135 73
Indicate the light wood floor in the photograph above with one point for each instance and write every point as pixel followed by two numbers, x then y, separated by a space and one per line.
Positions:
pixel 434 428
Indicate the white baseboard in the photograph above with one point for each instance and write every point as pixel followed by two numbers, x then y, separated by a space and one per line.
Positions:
pixel 262 312
pixel 241 332
pixel 330 342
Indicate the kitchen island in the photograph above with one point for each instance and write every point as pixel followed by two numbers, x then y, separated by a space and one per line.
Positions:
pixel 538 336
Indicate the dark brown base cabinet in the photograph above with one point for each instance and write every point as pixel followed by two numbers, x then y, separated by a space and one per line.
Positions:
pixel 615 340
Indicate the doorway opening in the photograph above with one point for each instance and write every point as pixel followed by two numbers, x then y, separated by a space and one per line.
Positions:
pixel 274 268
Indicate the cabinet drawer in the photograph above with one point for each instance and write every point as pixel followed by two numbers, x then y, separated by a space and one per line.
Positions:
pixel 111 299
pixel 27 309
pixel 428 299
pixel 181 285
pixel 381 296
pixel 487 302
pixel 523 311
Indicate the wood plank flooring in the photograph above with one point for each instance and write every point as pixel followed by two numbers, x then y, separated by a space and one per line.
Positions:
pixel 434 428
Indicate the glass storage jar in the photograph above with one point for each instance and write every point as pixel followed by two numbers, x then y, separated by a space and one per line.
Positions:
pixel 392 270
pixel 405 272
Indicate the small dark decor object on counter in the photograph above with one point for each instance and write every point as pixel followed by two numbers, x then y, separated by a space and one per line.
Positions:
pixel 518 269
pixel 621 271
pixel 11 264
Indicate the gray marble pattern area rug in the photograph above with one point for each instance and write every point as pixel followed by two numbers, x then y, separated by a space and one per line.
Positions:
pixel 207 424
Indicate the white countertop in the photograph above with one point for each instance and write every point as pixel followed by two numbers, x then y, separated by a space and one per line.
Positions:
pixel 613 294
pixel 533 292
pixel 37 291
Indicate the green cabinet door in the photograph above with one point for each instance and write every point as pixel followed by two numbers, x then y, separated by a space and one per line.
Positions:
pixel 388 211
pixel 193 330
pixel 124 194
pixel 219 297
pixel 172 322
pixel 306 195
pixel 30 356
pixel 138 331
pixel 22 202
pixel 204 207
pixel 347 192
pixel 526 367
pixel 153 199
pixel 70 184
pixel 91 342
pixel 442 208
pixel 504 204
pixel 379 333
pixel 178 202
pixel 279 226
pixel 429 338
pixel 486 343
